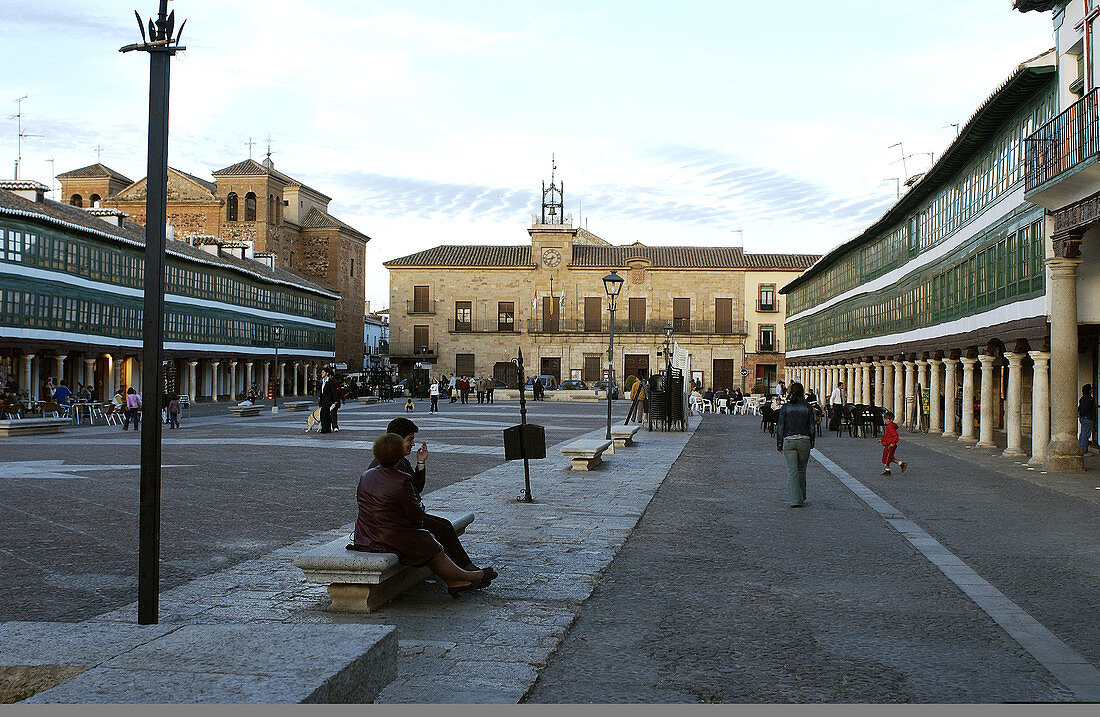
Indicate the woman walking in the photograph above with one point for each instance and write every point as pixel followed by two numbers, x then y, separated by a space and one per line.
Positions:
pixel 794 437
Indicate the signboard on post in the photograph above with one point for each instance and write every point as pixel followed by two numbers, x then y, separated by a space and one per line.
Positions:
pixel 744 372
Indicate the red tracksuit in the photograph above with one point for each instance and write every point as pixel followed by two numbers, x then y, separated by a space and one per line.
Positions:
pixel 890 441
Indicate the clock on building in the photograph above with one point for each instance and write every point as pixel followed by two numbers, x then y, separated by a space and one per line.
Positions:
pixel 551 257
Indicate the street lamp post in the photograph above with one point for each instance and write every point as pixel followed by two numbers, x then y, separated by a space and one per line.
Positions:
pixel 162 43
pixel 277 332
pixel 612 284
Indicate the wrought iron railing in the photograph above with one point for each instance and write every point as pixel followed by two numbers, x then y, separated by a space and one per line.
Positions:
pixel 767 347
pixel 651 326
pixel 767 307
pixel 1064 142
pixel 420 307
pixel 480 326
pixel 409 348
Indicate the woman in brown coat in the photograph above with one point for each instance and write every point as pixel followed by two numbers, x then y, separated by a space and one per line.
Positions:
pixel 391 519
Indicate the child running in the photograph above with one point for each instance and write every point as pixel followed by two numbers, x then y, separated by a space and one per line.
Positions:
pixel 890 444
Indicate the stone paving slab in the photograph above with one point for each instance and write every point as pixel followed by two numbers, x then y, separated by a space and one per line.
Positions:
pixel 224 664
pixel 488 646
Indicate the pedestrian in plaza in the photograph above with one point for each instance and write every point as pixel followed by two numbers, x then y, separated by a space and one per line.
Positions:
pixel 889 442
pixel 133 410
pixel 794 438
pixel 1086 412
pixel 62 395
pixel 480 383
pixel 174 413
pixel 440 528
pixel 836 406
pixel 326 400
pixel 453 388
pixel 433 394
pixel 489 387
pixel 464 389
pixel 391 520
pixel 409 407
pixel 339 402
pixel 635 401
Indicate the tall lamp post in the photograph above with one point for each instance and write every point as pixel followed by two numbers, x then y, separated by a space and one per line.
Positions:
pixel 612 284
pixel 162 43
pixel 277 332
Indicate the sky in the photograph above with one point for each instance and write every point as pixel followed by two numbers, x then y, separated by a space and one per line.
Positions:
pixel 771 125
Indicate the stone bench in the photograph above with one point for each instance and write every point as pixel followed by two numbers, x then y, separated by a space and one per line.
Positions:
pixel 623 436
pixel 368 399
pixel 585 454
pixel 246 411
pixel 359 581
pixel 293 406
pixel 32 426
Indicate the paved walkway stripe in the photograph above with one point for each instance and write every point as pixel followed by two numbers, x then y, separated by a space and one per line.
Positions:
pixel 1057 657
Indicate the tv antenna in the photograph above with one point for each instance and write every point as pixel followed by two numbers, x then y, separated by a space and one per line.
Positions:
pixel 18 117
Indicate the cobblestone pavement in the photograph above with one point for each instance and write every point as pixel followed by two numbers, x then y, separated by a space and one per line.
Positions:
pixel 236 489
pixel 725 594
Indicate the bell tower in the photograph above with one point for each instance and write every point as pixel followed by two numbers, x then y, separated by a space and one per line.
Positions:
pixel 552 232
pixel 553 199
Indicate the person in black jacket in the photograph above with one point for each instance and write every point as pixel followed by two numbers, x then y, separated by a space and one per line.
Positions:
pixel 1086 413
pixel 327 400
pixel 794 437
pixel 440 528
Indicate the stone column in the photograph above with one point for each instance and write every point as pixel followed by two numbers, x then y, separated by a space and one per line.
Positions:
pixel 60 358
pixel 967 434
pixel 26 383
pixel 1013 402
pixel 297 367
pixel 878 384
pixel 910 391
pixel 191 379
pixel 89 372
pixel 985 420
pixel 1063 452
pixel 865 394
pixel 109 382
pixel 899 392
pixel 135 375
pixel 949 383
pixel 281 380
pixel 232 380
pixel 248 379
pixel 1040 407
pixel 935 418
pixel 849 383
pixel 888 385
pixel 214 381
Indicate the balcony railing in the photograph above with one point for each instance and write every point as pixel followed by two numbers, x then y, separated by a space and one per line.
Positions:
pixel 409 349
pixel 768 307
pixel 479 326
pixel 767 347
pixel 420 307
pixel 1064 142
pixel 653 326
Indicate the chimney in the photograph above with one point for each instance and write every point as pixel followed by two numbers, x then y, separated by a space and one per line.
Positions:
pixel 26 188
pixel 267 258
pixel 113 217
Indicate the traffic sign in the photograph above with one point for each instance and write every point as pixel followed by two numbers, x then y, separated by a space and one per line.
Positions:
pixel 744 372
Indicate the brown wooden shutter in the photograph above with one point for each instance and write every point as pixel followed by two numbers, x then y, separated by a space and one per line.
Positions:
pixel 420 299
pixel 549 319
pixel 420 338
pixel 593 314
pixel 723 316
pixel 681 315
pixel 636 313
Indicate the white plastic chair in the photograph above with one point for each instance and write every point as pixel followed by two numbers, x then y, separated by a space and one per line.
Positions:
pixel 723 406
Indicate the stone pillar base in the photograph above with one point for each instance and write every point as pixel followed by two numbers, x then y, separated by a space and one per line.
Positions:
pixel 967 439
pixel 1064 456
pixel 985 444
pixel 950 434
pixel 1009 453
pixel 1036 461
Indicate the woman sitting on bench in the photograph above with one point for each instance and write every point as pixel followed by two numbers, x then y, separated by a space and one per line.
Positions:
pixel 391 520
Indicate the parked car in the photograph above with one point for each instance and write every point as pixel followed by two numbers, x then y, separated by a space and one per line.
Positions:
pixel 573 385
pixel 602 386
pixel 549 383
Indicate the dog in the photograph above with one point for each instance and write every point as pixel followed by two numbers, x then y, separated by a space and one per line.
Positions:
pixel 313 419
pixel 409 408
